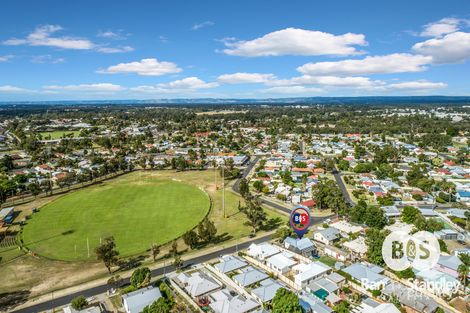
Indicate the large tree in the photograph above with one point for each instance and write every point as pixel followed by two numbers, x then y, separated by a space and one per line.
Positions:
pixel 255 214
pixel 141 277
pixel 374 240
pixel 191 239
pixel 286 301
pixel 107 253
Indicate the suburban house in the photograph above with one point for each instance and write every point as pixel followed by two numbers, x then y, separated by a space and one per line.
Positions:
pixel 136 301
pixel 302 246
pixel 229 263
pixel 410 298
pixel 449 264
pixel 249 276
pixel 336 253
pixel 327 235
pixel 262 251
pixel 281 263
pixel 368 275
pixel 224 302
pixel 267 290
pixel 304 273
pixel 371 306
pixel 198 283
pixel 346 228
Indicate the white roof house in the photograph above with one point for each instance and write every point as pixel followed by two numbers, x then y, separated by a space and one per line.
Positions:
pixel 411 298
pixel 305 273
pixel 136 301
pixel 249 276
pixel 327 235
pixel 357 246
pixel 281 262
pixel 370 306
pixel 198 283
pixel 229 263
pixel 368 276
pixel 346 228
pixel 262 251
pixel 267 290
pixel 93 309
pixel 224 302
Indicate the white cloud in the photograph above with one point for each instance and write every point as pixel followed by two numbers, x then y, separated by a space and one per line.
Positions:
pixel 100 87
pixel 335 81
pixel 452 48
pixel 292 90
pixel 189 84
pixel 294 41
pixel 47 58
pixel 114 35
pixel 416 85
pixel 144 67
pixel 11 89
pixel 392 63
pixel 245 78
pixel 4 58
pixel 202 25
pixel 42 37
pixel 442 27
pixel 115 49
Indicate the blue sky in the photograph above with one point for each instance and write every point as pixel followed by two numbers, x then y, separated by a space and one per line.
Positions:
pixel 60 50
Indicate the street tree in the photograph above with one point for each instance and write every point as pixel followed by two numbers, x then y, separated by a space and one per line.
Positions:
pixel 107 253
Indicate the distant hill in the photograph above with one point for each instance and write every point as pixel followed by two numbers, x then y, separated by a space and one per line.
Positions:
pixel 372 100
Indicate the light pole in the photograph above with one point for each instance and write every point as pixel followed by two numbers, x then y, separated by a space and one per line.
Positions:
pixel 223 189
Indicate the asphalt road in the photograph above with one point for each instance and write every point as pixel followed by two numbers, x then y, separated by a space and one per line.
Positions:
pixel 61 301
pixel 342 186
pixel 236 187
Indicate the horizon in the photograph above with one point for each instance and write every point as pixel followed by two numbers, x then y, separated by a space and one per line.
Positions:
pixel 179 50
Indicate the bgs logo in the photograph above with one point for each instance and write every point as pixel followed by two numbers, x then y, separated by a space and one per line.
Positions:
pixel 401 250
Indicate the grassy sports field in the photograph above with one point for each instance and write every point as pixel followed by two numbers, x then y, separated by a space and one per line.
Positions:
pixel 59 133
pixel 136 212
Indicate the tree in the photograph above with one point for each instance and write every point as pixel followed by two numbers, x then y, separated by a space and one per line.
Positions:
pixel 34 188
pixel 107 253
pixel 374 240
pixel 174 248
pixel 177 262
pixel 155 251
pixel 375 217
pixel 159 306
pixel 79 303
pixel 258 185
pixel 286 301
pixel 255 214
pixel 141 277
pixel 191 239
pixel 244 188
pixel 342 307
pixel 409 214
pixel 463 268
pixel 206 230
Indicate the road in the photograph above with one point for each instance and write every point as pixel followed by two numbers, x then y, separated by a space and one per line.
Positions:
pixel 277 206
pixel 157 272
pixel 236 188
pixel 342 186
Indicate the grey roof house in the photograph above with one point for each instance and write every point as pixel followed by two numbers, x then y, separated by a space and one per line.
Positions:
pixel 136 301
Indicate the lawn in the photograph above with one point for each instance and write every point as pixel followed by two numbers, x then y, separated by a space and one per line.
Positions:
pixel 59 134
pixel 136 211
